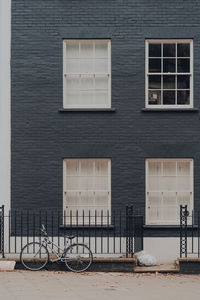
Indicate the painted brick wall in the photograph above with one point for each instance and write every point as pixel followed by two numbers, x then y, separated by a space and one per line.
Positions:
pixel 42 136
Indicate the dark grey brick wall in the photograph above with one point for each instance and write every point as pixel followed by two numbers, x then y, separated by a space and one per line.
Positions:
pixel 42 136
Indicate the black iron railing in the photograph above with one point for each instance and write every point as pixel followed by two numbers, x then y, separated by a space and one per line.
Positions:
pixel 119 233
pixel 189 232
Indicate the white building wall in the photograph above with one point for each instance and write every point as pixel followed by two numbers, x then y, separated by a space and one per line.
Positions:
pixel 5 38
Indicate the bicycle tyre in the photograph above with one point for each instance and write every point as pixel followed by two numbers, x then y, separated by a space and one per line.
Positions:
pixel 29 259
pixel 78 258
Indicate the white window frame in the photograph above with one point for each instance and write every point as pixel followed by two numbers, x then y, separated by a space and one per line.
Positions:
pixel 190 208
pixel 65 191
pixel 169 41
pixel 65 101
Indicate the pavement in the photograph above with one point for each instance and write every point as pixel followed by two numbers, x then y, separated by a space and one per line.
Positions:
pixel 42 285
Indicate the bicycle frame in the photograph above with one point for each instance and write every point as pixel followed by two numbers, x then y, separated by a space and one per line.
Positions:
pixel 60 256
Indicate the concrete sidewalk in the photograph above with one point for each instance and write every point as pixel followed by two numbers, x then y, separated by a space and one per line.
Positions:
pixel 20 285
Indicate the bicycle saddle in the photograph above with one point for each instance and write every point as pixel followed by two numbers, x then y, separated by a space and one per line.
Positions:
pixel 71 237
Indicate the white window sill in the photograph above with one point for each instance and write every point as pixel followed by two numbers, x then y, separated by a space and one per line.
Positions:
pixel 87 110
pixel 170 109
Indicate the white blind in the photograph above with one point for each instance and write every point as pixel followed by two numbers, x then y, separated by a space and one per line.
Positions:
pixel 87 186
pixel 169 184
pixel 87 73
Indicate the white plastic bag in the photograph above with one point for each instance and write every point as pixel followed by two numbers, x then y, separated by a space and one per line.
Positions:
pixel 145 259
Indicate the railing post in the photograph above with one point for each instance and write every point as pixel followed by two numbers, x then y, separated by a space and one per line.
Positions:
pixel 127 241
pixel 198 233
pixel 138 233
pixel 129 230
pixel 183 230
pixel 2 230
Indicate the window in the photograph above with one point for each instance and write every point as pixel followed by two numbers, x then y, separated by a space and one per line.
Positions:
pixel 87 187
pixel 169 73
pixel 87 74
pixel 169 183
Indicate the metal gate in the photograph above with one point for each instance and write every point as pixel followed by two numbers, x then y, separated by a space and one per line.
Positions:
pixel 134 232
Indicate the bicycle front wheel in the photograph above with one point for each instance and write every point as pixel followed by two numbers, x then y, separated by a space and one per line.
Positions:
pixel 34 256
pixel 78 258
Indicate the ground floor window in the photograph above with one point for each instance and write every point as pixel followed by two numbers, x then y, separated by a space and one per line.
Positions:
pixel 87 190
pixel 169 183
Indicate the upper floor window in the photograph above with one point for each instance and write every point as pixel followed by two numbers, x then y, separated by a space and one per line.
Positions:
pixel 86 73
pixel 169 73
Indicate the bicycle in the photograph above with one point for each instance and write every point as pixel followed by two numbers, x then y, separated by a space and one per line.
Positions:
pixel 77 257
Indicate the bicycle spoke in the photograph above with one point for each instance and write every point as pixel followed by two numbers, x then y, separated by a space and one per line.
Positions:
pixel 34 256
pixel 79 258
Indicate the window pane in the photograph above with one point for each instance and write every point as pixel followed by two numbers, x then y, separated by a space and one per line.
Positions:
pixel 87 200
pixel 154 213
pixel 154 97
pixel 183 198
pixel 168 97
pixel 154 65
pixel 183 81
pixel 72 167
pixel 169 213
pixel 73 83
pixel 101 98
pixel 155 183
pixel 154 50
pixel 72 199
pixel 72 49
pixel 169 65
pixel 86 49
pixel 87 83
pixel 73 98
pixel 72 183
pixel 169 206
pixel 183 168
pixel 154 168
pixel 154 82
pixel 101 183
pixel 169 82
pixel 73 66
pixel 183 50
pixel 183 97
pixel 169 50
pixel 101 83
pixel 155 199
pixel 86 66
pixel 87 98
pixel 183 183
pixel 169 168
pixel 101 167
pixel 101 66
pixel 86 167
pixel 101 49
pixel 183 65
pixel 168 183
pixel 101 199
pixel 169 199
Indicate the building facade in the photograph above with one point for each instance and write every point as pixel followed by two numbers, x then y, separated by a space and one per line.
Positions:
pixel 105 109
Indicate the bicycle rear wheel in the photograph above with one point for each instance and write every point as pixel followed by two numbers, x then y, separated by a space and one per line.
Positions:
pixel 78 258
pixel 34 256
